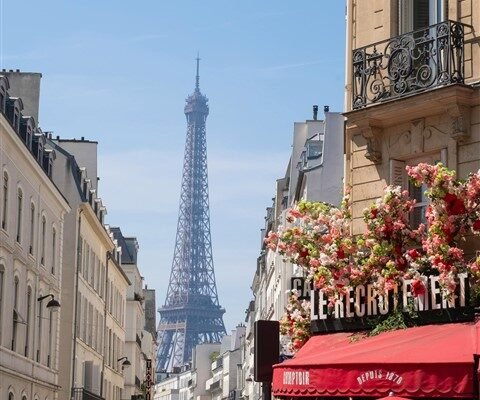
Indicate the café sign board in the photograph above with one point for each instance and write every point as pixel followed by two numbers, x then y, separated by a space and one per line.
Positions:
pixel 148 379
pixel 362 306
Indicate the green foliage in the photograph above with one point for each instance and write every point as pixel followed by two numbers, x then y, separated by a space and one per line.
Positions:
pixel 214 355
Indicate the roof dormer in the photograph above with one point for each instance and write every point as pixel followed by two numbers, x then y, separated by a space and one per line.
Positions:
pixel 49 156
pixel 38 146
pixel 27 127
pixel 4 86
pixel 13 111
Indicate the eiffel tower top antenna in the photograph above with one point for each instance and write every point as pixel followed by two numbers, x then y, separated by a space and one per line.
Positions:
pixel 197 79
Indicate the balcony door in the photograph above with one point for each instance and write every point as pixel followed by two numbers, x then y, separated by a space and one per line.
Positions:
pixel 418 14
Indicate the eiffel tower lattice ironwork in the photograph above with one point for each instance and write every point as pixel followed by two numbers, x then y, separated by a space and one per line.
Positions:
pixel 191 314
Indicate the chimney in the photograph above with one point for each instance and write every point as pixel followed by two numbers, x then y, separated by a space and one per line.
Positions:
pixel 25 85
pixel 315 112
pixel 326 109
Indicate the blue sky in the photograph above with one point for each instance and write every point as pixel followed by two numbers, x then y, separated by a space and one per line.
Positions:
pixel 118 72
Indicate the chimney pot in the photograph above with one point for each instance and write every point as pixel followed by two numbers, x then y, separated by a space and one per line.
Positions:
pixel 326 109
pixel 83 138
pixel 315 112
pixel 58 137
pixel 11 70
pixel 17 70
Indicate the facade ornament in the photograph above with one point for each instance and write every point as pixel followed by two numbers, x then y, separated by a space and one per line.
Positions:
pixel 374 150
pixel 460 121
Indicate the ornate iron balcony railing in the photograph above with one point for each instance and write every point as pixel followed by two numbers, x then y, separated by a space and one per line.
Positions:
pixel 410 63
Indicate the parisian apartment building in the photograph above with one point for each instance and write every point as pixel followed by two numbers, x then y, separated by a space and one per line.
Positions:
pixel 32 222
pixel 314 172
pixel 65 296
pixel 420 103
pixel 215 372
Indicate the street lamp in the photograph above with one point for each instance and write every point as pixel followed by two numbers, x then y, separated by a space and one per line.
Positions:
pixel 53 304
pixel 126 363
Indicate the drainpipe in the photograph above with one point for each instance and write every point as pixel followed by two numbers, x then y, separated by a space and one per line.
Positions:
pixel 108 256
pixel 75 322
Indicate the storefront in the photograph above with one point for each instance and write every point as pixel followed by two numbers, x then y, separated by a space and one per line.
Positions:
pixel 435 360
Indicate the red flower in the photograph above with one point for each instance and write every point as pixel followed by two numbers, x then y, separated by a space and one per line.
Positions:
pixel 413 253
pixel 455 206
pixel 340 253
pixel 303 253
pixel 476 225
pixel 418 287
pixel 374 212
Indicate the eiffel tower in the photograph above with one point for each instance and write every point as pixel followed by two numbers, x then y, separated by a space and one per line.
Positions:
pixel 191 314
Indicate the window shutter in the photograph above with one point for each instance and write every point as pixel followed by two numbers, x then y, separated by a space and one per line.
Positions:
pixel 398 174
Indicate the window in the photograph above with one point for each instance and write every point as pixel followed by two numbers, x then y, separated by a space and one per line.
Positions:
pixel 418 14
pixel 314 149
pixel 15 313
pixel 2 275
pixel 54 249
pixel 19 215
pixel 27 327
pixel 398 177
pixel 5 201
pixel 40 333
pixel 44 229
pixel 418 213
pixel 32 228
pixel 11 396
pixel 50 338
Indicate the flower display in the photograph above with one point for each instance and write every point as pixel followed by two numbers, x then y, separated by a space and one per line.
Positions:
pixel 318 238
pixel 296 321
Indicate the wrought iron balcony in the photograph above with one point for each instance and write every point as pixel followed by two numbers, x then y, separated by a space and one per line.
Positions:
pixel 84 394
pixel 407 64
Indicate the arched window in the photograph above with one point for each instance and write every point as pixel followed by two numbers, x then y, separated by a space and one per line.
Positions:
pixel 54 249
pixel 5 201
pixel 11 396
pixel 32 228
pixel 50 339
pixel 15 312
pixel 19 214
pixel 24 397
pixel 40 333
pixel 2 277
pixel 27 327
pixel 44 231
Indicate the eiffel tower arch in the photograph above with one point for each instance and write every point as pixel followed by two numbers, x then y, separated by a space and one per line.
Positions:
pixel 191 314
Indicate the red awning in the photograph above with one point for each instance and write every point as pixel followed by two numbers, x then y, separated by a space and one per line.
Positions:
pixel 432 360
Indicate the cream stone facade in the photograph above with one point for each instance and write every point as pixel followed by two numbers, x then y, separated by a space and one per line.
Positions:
pixel 32 212
pixel 420 103
pixel 93 322
pixel 117 283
